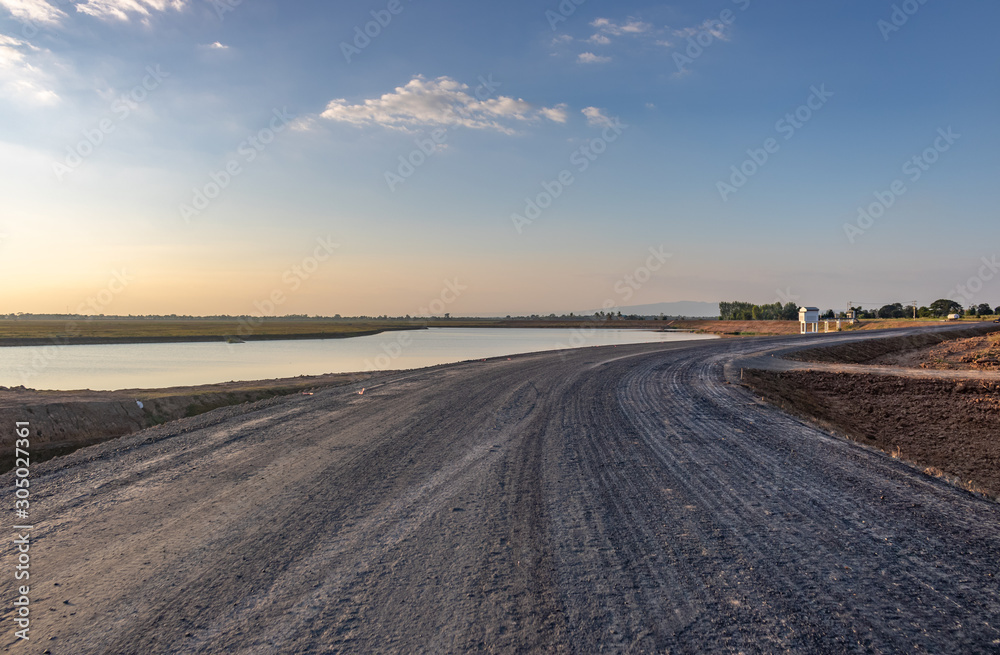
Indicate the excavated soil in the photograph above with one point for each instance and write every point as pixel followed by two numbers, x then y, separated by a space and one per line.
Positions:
pixel 973 354
pixel 871 351
pixel 949 429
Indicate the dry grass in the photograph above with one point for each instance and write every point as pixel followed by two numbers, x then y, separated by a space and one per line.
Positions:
pixel 112 328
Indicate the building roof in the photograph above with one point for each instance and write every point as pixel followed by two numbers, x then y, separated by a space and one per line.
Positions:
pixel 808 309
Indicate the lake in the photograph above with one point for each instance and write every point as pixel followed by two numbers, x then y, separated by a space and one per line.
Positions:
pixel 152 366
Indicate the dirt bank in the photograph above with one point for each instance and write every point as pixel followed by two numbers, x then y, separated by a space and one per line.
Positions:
pixel 63 421
pixel 946 428
pixel 980 353
pixel 869 350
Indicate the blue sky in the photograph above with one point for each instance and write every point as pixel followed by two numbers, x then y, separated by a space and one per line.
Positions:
pixel 118 115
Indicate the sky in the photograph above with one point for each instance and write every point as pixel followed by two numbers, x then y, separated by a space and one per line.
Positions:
pixel 404 156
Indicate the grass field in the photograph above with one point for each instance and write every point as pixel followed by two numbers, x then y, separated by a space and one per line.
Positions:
pixel 31 331
pixel 116 330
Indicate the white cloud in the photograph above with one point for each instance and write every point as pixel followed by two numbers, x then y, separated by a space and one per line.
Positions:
pixel 562 38
pixel 596 117
pixel 712 26
pixel 591 58
pixel 122 9
pixel 218 46
pixel 599 39
pixel 34 11
pixel 556 114
pixel 18 78
pixel 440 102
pixel 630 26
pixel 43 11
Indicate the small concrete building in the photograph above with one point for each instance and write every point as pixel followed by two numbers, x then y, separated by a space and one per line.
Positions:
pixel 809 316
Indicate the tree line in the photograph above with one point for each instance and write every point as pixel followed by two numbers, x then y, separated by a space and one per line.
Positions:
pixel 747 311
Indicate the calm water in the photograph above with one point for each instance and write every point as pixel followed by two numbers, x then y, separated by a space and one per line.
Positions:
pixel 149 366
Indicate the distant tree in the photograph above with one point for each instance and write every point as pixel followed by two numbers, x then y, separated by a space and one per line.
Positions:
pixel 894 310
pixel 945 306
pixel 829 314
pixel 996 310
pixel 984 309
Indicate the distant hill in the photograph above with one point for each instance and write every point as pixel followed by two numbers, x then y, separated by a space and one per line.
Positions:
pixel 686 308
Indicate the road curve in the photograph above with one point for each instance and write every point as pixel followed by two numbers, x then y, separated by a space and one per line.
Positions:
pixel 613 499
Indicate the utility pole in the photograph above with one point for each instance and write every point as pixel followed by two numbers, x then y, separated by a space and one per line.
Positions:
pixel 914 310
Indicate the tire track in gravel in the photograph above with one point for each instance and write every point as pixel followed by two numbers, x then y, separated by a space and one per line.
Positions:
pixel 604 499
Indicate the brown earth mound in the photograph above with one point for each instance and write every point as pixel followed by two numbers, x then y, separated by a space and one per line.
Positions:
pixel 972 354
pixel 950 429
pixel 870 350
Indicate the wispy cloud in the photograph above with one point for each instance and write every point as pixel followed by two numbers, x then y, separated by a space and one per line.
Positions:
pixel 440 102
pixel 608 28
pixel 45 11
pixel 715 27
pixel 217 46
pixel 35 11
pixel 18 78
pixel 630 26
pixel 596 117
pixel 124 9
pixel 591 58
pixel 31 74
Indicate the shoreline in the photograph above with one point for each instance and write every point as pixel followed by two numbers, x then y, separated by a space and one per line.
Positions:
pixel 17 342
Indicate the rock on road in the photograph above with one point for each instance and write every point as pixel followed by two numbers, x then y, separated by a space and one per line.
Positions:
pixel 613 499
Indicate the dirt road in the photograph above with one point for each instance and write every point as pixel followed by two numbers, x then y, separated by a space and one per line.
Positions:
pixel 617 499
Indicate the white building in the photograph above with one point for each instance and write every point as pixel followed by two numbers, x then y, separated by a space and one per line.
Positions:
pixel 808 316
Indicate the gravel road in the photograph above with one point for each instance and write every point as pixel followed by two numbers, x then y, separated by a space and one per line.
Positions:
pixel 613 499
